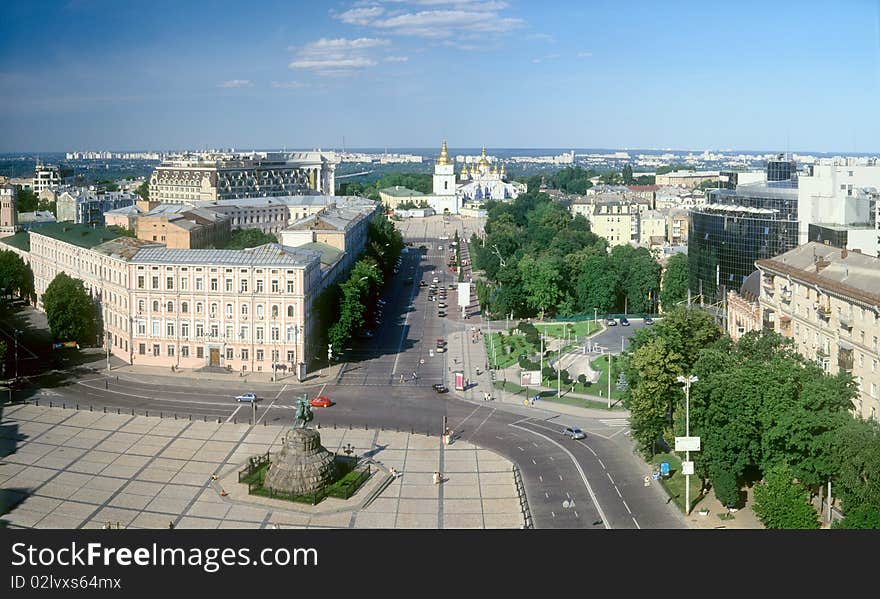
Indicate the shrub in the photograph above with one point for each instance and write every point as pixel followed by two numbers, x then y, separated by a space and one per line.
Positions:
pixel 726 488
pixel 782 503
pixel 582 379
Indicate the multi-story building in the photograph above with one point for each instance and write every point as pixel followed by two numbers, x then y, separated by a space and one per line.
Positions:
pixel 827 300
pixel 192 178
pixel 46 176
pixel 392 197
pixel 84 206
pixel 677 227
pixel 652 227
pixel 833 202
pixel 184 228
pixel 617 222
pixel 8 210
pixel 686 178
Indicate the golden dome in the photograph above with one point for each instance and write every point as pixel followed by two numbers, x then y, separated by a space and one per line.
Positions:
pixel 483 161
pixel 444 155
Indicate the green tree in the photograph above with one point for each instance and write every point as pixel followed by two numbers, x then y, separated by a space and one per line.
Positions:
pixel 26 200
pixel 856 451
pixel 639 276
pixel 861 517
pixel 143 190
pixel 627 175
pixel 675 282
pixel 3 349
pixel 125 232
pixel 651 401
pixel 542 282
pixel 16 276
pixel 597 285
pixel 249 238
pixel 780 502
pixel 69 310
pixel 726 487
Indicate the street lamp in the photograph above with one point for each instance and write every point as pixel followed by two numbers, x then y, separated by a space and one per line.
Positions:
pixel 686 381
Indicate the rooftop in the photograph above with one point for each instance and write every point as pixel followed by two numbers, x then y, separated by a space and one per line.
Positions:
pixel 270 254
pixel 80 235
pixel 20 240
pixel 329 254
pixel 400 191
pixel 846 273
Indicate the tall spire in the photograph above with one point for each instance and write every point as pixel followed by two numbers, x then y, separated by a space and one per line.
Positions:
pixel 483 160
pixel 444 155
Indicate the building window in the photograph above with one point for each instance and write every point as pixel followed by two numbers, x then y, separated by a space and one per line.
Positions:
pixel 229 353
pixel 140 281
pixel 215 331
pixel 259 286
pixel 259 310
pixel 259 355
pixel 155 305
pixel 169 283
pixel 200 352
pixel 170 306
pixel 274 285
pixel 184 351
pixel 275 335
pixel 228 310
pixel 155 350
pixel 156 329
pixel 213 284
pixel 184 329
pixel 183 284
pixel 290 311
pixel 170 351
pixel 198 283
pixel 259 333
pixel 274 311
pixel 140 306
pixel 244 354
pixel 289 286
pixel 155 282
pixel 229 285
pixel 244 285
pixel 198 307
pixel 200 329
pixel 169 327
pixel 243 332
pixel 244 310
pixel 142 349
pixel 184 307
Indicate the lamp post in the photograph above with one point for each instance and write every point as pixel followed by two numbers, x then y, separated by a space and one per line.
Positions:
pixel 107 343
pixel 687 380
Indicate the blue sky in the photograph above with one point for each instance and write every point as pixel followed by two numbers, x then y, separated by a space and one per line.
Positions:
pixel 103 74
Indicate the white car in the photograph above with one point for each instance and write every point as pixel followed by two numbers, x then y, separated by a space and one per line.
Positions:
pixel 246 397
pixel 435 280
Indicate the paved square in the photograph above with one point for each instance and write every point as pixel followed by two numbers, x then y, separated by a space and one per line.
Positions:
pixel 80 469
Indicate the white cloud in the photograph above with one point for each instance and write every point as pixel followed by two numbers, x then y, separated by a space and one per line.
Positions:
pixel 360 16
pixel 234 83
pixel 337 55
pixel 543 58
pixel 544 37
pixel 438 19
pixel 446 23
pixel 396 58
pixel 584 54
pixel 289 84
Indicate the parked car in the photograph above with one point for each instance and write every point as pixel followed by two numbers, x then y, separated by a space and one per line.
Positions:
pixel 440 388
pixel 422 284
pixel 381 302
pixel 624 322
pixel 610 322
pixel 246 397
pixel 440 349
pixel 367 335
pixel 451 286
pixel 441 313
pixel 575 433
pixel 321 401
pixel 436 280
pixel 441 305
pixel 649 321
pixel 441 342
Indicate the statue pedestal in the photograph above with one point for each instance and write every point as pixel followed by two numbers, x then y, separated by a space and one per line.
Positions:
pixel 302 466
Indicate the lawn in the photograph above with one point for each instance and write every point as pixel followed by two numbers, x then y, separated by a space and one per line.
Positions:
pixel 517 343
pixel 580 329
pixel 674 485
pixel 550 396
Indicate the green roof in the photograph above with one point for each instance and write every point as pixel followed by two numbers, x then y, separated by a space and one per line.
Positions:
pixel 82 235
pixel 20 240
pixel 400 191
pixel 329 254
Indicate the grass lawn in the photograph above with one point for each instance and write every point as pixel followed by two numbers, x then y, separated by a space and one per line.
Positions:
pixel 581 329
pixel 551 396
pixel 517 343
pixel 674 485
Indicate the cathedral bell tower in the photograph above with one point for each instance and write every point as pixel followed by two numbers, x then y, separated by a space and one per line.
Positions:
pixel 444 174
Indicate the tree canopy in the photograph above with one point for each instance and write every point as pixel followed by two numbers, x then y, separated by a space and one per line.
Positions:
pixel 16 276
pixel 249 238
pixel 70 311
pixel 674 289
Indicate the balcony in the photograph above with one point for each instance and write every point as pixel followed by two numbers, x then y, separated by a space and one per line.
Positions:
pixel 846 320
pixel 785 296
pixel 823 312
pixel 845 359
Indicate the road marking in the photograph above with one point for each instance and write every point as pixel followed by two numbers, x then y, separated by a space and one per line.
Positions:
pixel 576 514
pixel 551 458
pixel 553 514
pixel 520 448
pixel 609 478
pixel 267 410
pixel 600 462
pixel 637 523
pixel 546 494
pixel 468 417
pixel 626 506
pixel 618 492
pixel 560 476
pixel 231 416
pixel 285 387
pixel 591 450
pixel 540 478
pixel 534 462
pixel 614 421
pixel 580 471
pixel 481 424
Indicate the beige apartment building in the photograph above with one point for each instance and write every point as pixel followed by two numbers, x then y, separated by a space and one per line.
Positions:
pixel 192 228
pixel 242 310
pixel 392 197
pixel 617 222
pixel 827 300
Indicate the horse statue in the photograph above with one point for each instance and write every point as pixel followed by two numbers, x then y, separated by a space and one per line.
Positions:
pixel 303 412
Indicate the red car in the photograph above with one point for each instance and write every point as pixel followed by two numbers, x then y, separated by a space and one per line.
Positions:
pixel 321 402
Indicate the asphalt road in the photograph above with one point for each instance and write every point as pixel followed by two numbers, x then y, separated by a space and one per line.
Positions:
pixel 594 483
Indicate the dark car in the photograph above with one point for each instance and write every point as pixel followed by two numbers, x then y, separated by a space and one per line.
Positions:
pixel 649 321
pixel 422 284
pixel 624 322
pixel 440 388
pixel 441 313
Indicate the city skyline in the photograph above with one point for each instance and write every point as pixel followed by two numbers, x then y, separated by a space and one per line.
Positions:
pixel 90 74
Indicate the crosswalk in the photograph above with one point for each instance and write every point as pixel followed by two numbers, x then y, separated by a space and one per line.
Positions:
pixel 614 422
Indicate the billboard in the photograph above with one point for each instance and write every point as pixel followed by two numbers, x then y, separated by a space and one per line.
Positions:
pixel 464 295
pixel 530 378
pixel 687 444
pixel 459 380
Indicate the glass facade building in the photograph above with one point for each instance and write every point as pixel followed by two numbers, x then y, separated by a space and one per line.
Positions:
pixel 737 227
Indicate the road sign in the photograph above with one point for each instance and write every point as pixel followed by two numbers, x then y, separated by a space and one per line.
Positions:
pixel 687 467
pixel 530 378
pixel 464 295
pixel 687 444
